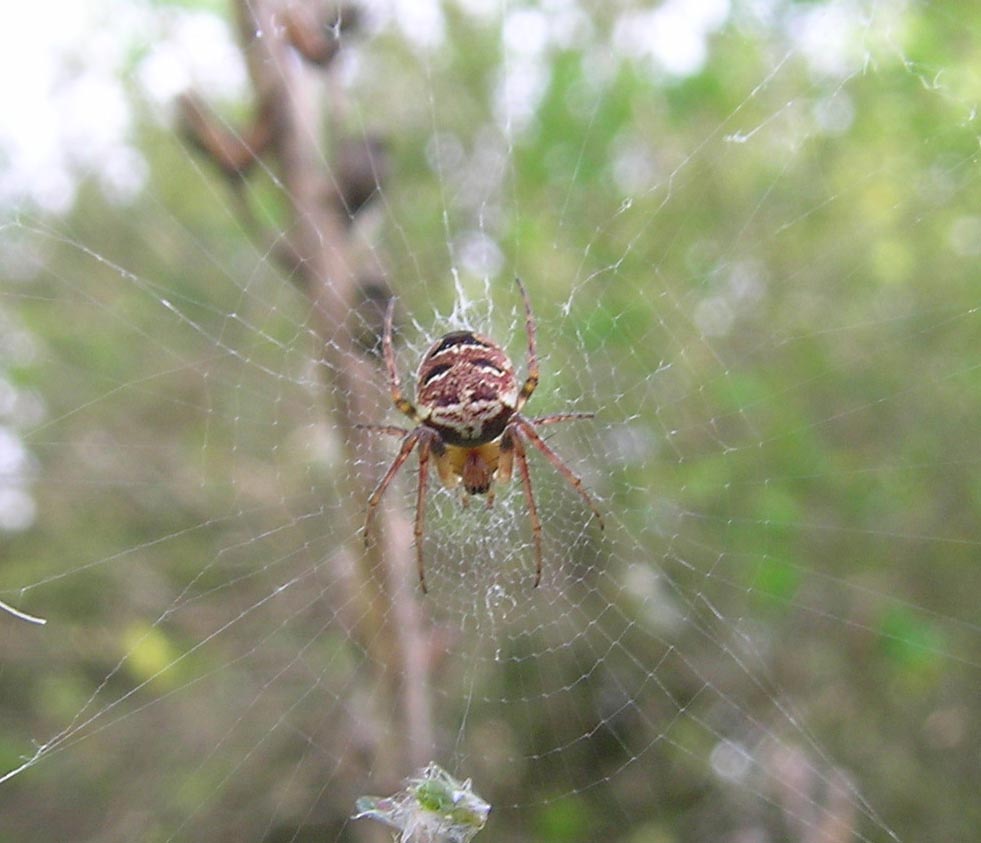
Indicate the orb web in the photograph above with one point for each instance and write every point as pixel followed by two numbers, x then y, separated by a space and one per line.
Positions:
pixel 749 236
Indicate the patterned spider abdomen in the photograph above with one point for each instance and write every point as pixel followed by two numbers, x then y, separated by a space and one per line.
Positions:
pixel 466 389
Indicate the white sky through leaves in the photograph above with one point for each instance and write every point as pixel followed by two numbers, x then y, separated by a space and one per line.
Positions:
pixel 766 300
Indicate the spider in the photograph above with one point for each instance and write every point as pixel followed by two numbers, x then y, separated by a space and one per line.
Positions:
pixel 467 414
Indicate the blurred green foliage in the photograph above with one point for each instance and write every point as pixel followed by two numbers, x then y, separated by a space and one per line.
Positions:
pixel 806 474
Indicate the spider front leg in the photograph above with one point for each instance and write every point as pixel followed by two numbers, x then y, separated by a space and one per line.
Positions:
pixel 528 387
pixel 556 418
pixel 387 429
pixel 394 383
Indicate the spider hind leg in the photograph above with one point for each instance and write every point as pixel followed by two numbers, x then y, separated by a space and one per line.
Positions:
pixel 407 445
pixel 528 431
pixel 536 522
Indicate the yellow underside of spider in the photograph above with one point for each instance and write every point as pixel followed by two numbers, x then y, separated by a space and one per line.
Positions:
pixel 477 467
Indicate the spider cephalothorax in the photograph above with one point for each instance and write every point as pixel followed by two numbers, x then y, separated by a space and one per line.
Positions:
pixel 467 415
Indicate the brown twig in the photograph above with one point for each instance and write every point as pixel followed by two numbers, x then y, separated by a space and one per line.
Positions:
pixel 234 153
pixel 313 31
pixel 393 627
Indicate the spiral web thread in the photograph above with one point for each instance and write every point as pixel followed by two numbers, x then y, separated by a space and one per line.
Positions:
pixel 195 483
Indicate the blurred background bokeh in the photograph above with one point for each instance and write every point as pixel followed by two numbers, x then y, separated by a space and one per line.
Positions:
pixel 751 230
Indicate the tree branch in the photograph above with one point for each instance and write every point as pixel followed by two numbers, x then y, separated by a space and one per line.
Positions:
pixel 391 625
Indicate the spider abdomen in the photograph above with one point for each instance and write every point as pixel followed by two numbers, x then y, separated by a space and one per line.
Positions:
pixel 466 389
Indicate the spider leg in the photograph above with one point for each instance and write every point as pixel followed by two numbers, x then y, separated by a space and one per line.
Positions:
pixel 397 463
pixel 394 383
pixel 555 418
pixel 528 387
pixel 387 429
pixel 536 523
pixel 571 478
pixel 424 448
pixel 505 460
